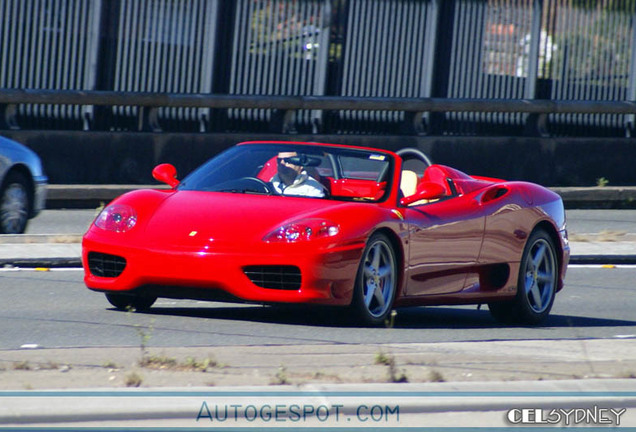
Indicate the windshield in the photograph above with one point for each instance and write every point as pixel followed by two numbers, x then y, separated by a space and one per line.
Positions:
pixel 309 170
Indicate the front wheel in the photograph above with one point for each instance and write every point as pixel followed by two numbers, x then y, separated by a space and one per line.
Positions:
pixel 127 302
pixel 376 282
pixel 536 283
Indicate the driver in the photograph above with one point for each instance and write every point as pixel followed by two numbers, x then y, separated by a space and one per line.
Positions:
pixel 292 178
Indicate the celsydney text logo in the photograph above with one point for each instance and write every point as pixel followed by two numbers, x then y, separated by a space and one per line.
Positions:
pixel 566 416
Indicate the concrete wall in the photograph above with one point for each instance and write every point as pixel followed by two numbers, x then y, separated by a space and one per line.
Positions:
pixel 128 158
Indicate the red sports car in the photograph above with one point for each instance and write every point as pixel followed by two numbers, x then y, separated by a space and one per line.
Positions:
pixel 363 228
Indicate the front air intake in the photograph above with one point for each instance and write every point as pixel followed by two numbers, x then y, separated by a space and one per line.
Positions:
pixel 105 265
pixel 282 277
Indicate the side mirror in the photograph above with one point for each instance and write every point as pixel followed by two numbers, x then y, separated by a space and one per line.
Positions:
pixel 166 173
pixel 425 191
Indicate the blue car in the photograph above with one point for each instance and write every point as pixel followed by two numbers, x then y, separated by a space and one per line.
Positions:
pixel 23 186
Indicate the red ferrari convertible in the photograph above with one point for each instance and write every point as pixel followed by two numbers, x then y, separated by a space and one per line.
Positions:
pixel 363 228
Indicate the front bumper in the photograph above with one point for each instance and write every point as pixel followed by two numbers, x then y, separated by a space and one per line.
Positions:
pixel 327 274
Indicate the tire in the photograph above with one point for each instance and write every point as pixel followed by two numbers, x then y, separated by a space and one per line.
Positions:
pixel 126 302
pixel 15 204
pixel 376 282
pixel 536 283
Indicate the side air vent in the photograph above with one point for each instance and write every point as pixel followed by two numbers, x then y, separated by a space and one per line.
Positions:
pixel 282 277
pixel 494 193
pixel 105 265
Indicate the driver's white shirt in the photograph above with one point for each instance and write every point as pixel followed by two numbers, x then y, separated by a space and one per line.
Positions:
pixel 304 185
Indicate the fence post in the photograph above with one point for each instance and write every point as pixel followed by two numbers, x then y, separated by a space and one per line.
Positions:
pixel 105 59
pixel 440 74
pixel 421 121
pixel 533 56
pixel 534 123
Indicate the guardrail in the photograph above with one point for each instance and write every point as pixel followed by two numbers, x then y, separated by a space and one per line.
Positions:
pixel 150 104
pixel 143 99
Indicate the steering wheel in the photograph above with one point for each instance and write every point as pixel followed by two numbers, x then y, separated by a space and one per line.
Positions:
pixel 260 183
pixel 414 154
pixel 407 153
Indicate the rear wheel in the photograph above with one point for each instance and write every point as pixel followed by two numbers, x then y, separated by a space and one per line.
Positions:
pixel 376 281
pixel 536 283
pixel 127 302
pixel 15 204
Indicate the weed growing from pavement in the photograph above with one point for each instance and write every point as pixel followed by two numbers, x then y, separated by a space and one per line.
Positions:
pixel 49 365
pixel 602 182
pixel 436 376
pixel 144 335
pixel 21 365
pixel 382 358
pixel 281 377
pixel 157 361
pixel 109 364
pixel 162 362
pixel 193 364
pixel 388 360
pixel 133 379
pixel 390 321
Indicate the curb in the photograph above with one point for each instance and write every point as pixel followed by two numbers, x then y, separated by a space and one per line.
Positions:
pixel 603 260
pixel 428 402
pixel 44 263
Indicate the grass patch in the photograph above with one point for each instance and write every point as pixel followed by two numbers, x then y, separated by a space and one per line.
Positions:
pixel 191 364
pixel 158 362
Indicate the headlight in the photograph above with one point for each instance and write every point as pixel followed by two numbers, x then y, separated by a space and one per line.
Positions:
pixel 303 230
pixel 117 218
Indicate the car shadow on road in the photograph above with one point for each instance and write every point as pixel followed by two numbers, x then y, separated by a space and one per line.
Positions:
pixel 406 318
pixel 454 317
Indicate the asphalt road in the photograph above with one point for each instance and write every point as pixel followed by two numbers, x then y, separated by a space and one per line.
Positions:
pixel 54 309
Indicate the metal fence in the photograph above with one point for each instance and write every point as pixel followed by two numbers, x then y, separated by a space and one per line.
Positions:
pixel 162 46
pixel 499 50
pixel 48 44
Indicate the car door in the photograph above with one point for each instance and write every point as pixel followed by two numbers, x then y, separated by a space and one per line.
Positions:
pixel 445 239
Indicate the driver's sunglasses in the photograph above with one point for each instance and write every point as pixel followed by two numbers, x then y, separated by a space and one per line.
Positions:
pixel 284 160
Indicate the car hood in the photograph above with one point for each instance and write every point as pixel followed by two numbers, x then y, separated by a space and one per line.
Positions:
pixel 194 219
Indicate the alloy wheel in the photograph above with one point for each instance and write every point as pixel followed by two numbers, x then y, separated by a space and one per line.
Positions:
pixel 540 271
pixel 379 278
